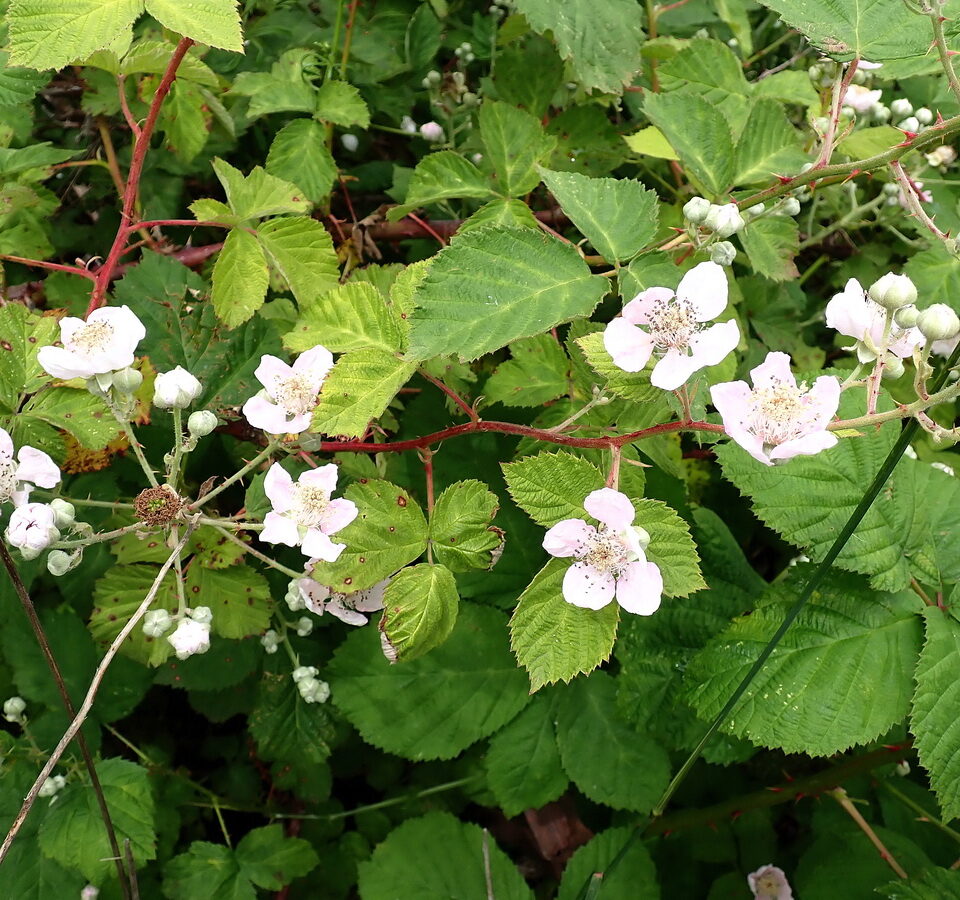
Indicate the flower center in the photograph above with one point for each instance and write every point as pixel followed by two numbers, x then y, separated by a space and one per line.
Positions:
pixel 309 505
pixel 94 337
pixel 8 478
pixel 780 413
pixel 672 323
pixel 296 395
pixel 768 886
pixel 605 551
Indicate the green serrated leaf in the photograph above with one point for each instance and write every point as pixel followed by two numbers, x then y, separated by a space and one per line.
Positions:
pixel 931 884
pixel 152 57
pixel 78 412
pixel 400 710
pixel 471 866
pixel 511 213
pixel 420 610
pixel 72 831
pixel 24 333
pixel 609 761
pixel 552 485
pixel 299 154
pixel 460 530
pixel 340 103
pixel 389 532
pixel 872 29
pixel 671 547
pixel 302 250
pixel 769 145
pixel 18 86
pixel 51 35
pixel 240 278
pixel 259 194
pixel 206 872
pixel 515 143
pixel 213 22
pixel 933 719
pixel 285 88
pixel 555 640
pixel 270 859
pixel 285 726
pixel 633 386
pixel 601 41
pixel 771 244
pixel 699 133
pixel 536 374
pixel 355 316
pixel 358 389
pixel 441 176
pixel 650 141
pixel 634 878
pixel 239 598
pixel 183 120
pixel 617 215
pixel 840 676
pixel 495 285
pixel 523 761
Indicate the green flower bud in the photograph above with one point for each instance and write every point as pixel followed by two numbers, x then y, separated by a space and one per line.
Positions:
pixel 59 562
pixel 696 210
pixel 127 381
pixel 893 291
pixel 201 423
pixel 901 108
pixel 906 316
pixel 938 322
pixel 724 220
pixel 790 207
pixel 723 253
pixel 892 367
pixel 63 512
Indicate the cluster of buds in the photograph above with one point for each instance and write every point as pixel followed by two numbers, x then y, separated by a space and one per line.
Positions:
pixel 191 635
pixel 709 224
pixel 311 688
pixel 13 710
pixel 52 786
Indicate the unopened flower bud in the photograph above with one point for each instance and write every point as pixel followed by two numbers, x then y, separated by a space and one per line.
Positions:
pixel 127 381
pixel 408 125
pixel 892 367
pixel 64 513
pixel 923 115
pixel 90 892
pixel 893 291
pixel 943 155
pixel 903 768
pixel 723 253
pixel 881 113
pixel 156 623
pixel 270 641
pixel 431 131
pixel 176 389
pixel 304 626
pixel 901 108
pixel 190 637
pixel 755 210
pixel 906 316
pixel 201 614
pixel 31 529
pixel 910 123
pixel 696 210
pixel 13 709
pixel 821 124
pixel 302 672
pixel 52 786
pixel 59 562
pixel 201 423
pixel 938 322
pixel 724 220
pixel 350 142
pixel 891 189
pixel 313 690
pixel 789 207
pixel 859 77
pixel 294 596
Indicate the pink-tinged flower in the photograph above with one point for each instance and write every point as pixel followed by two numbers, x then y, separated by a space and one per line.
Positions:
pixel 303 514
pixel 924 196
pixel 285 404
pixel 854 314
pixel 349 608
pixel 673 328
pixel 861 99
pixel 103 343
pixel 778 420
pixel 770 883
pixel 32 528
pixel 610 561
pixel 31 468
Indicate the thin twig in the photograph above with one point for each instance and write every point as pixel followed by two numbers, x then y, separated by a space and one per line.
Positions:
pixel 91 695
pixel 840 795
pixel 53 267
pixel 21 590
pixel 452 394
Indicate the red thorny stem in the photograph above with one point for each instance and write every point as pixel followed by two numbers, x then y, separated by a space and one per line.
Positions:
pixel 131 189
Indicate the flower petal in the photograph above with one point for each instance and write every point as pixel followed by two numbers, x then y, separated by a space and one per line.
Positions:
pixel 263 413
pixel 313 594
pixel 62 363
pixel 824 396
pixel 338 514
pixel 629 347
pixel 704 287
pixel 279 529
pixel 732 400
pixel 317 544
pixel 639 588
pixel 371 599
pixel 346 615
pixel 610 507
pixel 278 486
pixel 37 468
pixel 584 586
pixel 270 371
pixel 568 538
pixel 323 477
pixel 714 344
pixel 673 370
pixel 848 311
pixel 315 363
pixel 637 311
pixel 6 445
pixel 807 445
pixel 774 370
